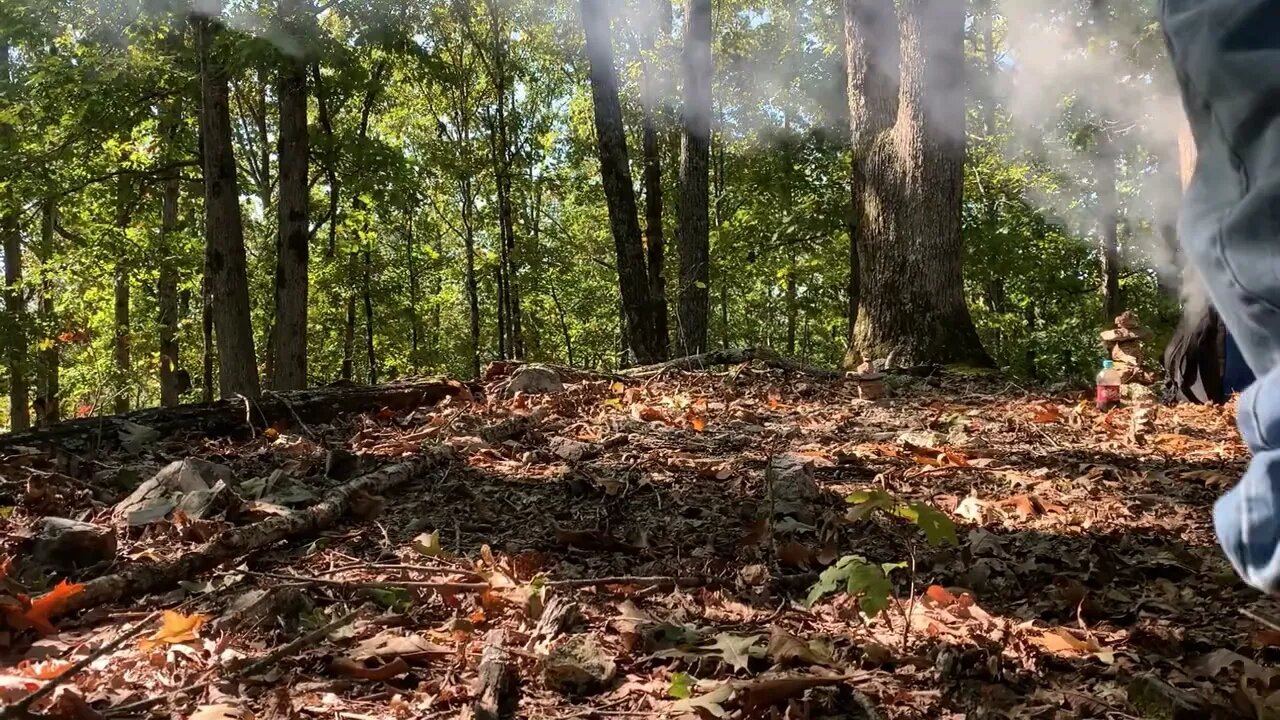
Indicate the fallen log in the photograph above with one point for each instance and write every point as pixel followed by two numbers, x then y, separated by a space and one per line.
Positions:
pixel 140 579
pixel 497 689
pixel 226 417
pixel 731 357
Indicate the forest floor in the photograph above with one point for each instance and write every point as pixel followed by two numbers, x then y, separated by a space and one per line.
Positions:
pixel 1084 581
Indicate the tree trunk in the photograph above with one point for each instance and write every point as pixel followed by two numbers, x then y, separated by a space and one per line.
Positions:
pixel 349 338
pixel 293 232
pixel 49 402
pixel 14 302
pixel 367 293
pixel 473 289
pixel 167 284
pixel 224 231
pixel 415 325
pixel 655 240
pixel 209 351
pixel 908 180
pixel 1108 214
pixel 564 326
pixel 694 233
pixel 122 352
pixel 615 171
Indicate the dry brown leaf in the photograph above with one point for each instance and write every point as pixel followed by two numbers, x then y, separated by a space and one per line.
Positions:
pixel 755 533
pixel 221 711
pixel 647 413
pixel 767 692
pixel 388 644
pixel 1025 506
pixel 795 555
pixel 175 628
pixel 70 706
pixel 351 668
pixel 1265 638
pixel 1045 413
pixel 785 647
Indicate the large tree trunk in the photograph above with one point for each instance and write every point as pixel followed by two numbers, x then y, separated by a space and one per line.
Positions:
pixel 694 232
pixel 122 351
pixel 293 220
pixel 655 239
pixel 615 171
pixel 224 231
pixel 908 181
pixel 14 302
pixel 49 402
pixel 167 288
pixel 1108 222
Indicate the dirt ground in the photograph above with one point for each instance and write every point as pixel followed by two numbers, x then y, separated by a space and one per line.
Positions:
pixel 647 549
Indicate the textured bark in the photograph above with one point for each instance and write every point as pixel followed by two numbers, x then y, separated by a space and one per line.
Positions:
pixel 1108 222
pixel 227 417
pixel 655 237
pixel 349 338
pixel 49 402
pixel 167 291
pixel 224 230
pixel 615 171
pixel 906 103
pixel 15 330
pixel 694 233
pixel 498 686
pixel 367 292
pixel 415 323
pixel 293 220
pixel 122 352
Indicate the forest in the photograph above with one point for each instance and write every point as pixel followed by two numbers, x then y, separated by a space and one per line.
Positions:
pixel 287 195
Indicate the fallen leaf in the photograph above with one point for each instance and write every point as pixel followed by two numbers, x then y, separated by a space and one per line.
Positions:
pixel 175 628
pixel 221 711
pixel 710 703
pixel 349 667
pixel 767 692
pixel 681 686
pixel 795 555
pixel 1045 413
pixel 785 647
pixel 1024 505
pixel 971 508
pixel 50 604
pixel 388 644
pixel 735 649
pixel 70 706
pixel 46 670
pixel 648 413
pixel 13 689
pixel 941 596
pixel 1265 638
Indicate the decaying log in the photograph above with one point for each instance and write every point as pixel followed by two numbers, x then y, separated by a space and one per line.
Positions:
pixel 497 690
pixel 139 579
pixel 731 357
pixel 557 618
pixel 226 417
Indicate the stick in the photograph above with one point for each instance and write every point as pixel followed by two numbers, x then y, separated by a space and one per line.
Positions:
pixel 294 413
pixel 296 645
pixel 359 584
pixel 19 709
pixel 662 580
pixel 1263 620
pixel 148 702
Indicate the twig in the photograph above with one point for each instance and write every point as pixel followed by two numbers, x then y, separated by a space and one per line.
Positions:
pixel 134 707
pixel 1261 619
pixel 248 416
pixel 444 565
pixel 294 413
pixel 19 709
pixel 296 645
pixel 668 581
pixel 359 584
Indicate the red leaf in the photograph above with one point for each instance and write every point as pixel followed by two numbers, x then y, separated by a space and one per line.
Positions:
pixel 49 604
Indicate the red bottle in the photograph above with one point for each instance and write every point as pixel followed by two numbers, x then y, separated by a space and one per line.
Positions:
pixel 1108 389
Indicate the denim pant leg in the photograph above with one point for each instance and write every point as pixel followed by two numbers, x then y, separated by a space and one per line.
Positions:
pixel 1227 57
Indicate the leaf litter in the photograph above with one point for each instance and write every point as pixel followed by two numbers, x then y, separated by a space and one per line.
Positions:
pixel 1015 554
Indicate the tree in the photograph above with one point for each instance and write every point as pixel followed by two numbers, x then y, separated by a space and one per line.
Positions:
pixel 224 230
pixel 293 231
pixel 655 111
pixel 695 158
pixel 908 180
pixel 615 171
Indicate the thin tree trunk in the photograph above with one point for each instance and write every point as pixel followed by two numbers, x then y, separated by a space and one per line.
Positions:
pixel 224 230
pixel 415 325
pixel 349 338
pixel 908 180
pixel 49 403
pixel 1108 211
pixel 655 240
pixel 564 325
pixel 473 290
pixel 500 285
pixel 122 352
pixel 367 292
pixel 695 154
pixel 14 301
pixel 615 170
pixel 167 284
pixel 293 231
pixel 206 330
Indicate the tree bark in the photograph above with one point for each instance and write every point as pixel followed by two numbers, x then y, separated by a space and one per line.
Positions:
pixel 615 171
pixel 655 239
pixel 293 217
pixel 121 348
pixel 502 160
pixel 415 324
pixel 907 107
pixel 49 402
pixel 167 283
pixel 349 338
pixel 224 230
pixel 367 292
pixel 694 234
pixel 1108 214
pixel 14 301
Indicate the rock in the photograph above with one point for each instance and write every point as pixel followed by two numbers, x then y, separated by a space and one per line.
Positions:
pixel 534 380
pixel 63 545
pixel 573 450
pixel 792 477
pixel 577 666
pixel 195 486
pixel 134 437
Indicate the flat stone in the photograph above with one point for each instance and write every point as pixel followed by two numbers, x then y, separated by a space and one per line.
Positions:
pixel 193 485
pixel 573 450
pixel 62 544
pixel 577 666
pixel 534 380
pixel 793 479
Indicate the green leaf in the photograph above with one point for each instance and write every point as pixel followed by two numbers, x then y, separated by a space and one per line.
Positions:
pixel 396 599
pixel 873 590
pixel 428 544
pixel 681 686
pixel 711 703
pixel 937 527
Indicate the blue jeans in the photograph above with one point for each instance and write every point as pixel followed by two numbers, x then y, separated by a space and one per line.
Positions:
pixel 1226 54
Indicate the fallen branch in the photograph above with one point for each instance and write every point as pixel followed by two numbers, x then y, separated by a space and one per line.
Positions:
pixel 660 581
pixel 20 708
pixel 375 584
pixel 295 645
pixel 497 690
pixel 730 357
pixel 226 417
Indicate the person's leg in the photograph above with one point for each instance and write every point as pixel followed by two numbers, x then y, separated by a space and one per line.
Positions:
pixel 1236 374
pixel 1227 57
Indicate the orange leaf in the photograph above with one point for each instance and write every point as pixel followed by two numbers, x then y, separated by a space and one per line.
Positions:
pixel 648 413
pixel 1061 640
pixel 174 629
pixel 941 595
pixel 50 604
pixel 695 420
pixel 1046 413
pixel 46 670
pixel 354 669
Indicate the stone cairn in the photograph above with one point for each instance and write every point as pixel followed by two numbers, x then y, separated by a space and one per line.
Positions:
pixel 1124 347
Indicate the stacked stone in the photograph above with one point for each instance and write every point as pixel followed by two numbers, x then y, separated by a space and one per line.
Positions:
pixel 1124 347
